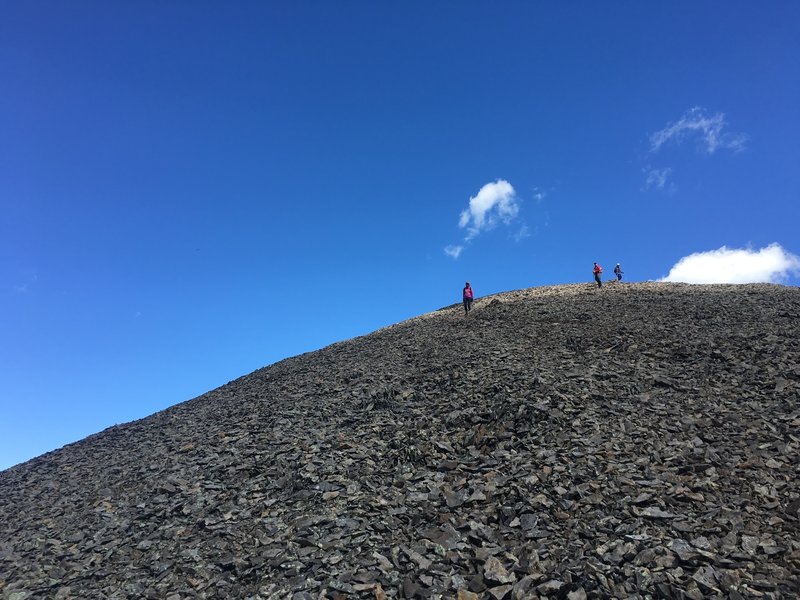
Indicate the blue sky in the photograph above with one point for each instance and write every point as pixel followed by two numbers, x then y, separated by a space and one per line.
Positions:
pixel 194 190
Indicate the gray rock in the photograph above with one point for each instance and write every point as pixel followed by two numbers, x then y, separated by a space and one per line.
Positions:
pixel 567 457
pixel 493 570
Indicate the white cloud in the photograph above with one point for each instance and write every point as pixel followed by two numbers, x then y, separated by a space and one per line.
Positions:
pixel 522 233
pixel 772 264
pixel 494 202
pixel 31 277
pixel 657 178
pixel 707 130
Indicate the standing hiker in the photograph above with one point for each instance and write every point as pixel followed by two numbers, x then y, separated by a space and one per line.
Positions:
pixel 618 272
pixel 468 297
pixel 597 272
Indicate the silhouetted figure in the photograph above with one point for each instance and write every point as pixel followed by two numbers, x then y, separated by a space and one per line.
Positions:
pixel 468 297
pixel 618 272
pixel 598 270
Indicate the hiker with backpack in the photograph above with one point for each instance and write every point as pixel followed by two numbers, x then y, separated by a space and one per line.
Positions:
pixel 468 296
pixel 598 270
pixel 618 272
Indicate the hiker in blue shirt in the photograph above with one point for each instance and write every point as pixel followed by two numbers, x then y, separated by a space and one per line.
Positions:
pixel 618 272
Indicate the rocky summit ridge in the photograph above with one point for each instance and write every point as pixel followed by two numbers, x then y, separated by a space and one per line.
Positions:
pixel 634 441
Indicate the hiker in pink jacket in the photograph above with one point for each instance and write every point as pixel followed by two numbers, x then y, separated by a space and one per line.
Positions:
pixel 468 297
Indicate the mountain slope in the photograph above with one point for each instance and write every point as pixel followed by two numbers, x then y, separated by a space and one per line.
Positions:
pixel 638 440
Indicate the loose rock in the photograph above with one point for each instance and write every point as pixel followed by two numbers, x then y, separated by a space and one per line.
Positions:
pixel 635 441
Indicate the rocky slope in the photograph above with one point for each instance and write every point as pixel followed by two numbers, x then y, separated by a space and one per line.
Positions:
pixel 639 441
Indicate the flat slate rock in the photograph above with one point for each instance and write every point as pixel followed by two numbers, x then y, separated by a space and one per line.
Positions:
pixel 637 441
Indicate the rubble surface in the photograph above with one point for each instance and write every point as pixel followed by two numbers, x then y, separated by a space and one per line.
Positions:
pixel 636 441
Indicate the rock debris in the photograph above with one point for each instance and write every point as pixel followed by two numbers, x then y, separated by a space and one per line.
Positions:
pixel 638 441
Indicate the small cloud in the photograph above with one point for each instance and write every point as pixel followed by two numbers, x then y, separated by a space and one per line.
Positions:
pixel 30 277
pixel 657 179
pixel 522 233
pixel 539 195
pixel 772 264
pixel 494 202
pixel 707 130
